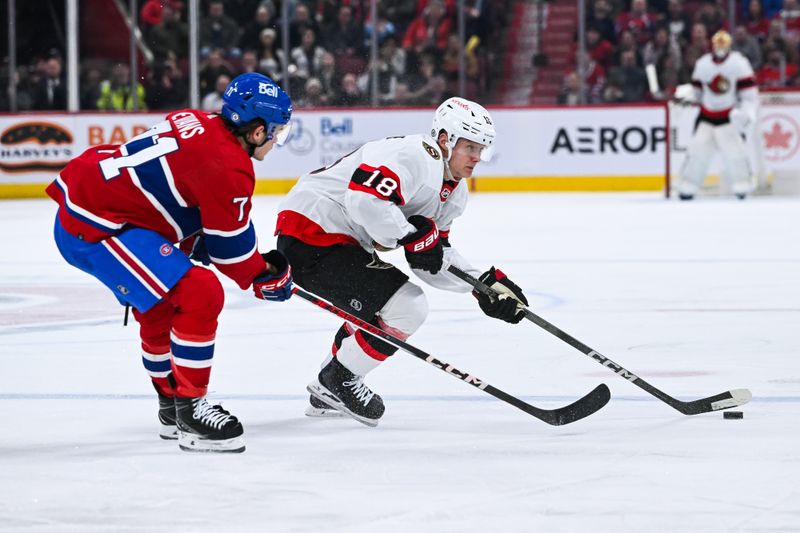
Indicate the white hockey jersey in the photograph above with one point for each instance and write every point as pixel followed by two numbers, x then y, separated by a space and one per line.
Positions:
pixel 722 84
pixel 367 196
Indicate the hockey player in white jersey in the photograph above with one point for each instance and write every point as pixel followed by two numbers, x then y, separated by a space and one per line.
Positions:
pixel 726 90
pixel 399 191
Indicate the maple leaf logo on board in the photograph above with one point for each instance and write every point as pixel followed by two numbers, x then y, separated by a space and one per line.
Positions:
pixel 780 136
pixel 777 137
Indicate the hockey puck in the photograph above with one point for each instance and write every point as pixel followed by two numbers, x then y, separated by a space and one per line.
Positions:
pixel 732 415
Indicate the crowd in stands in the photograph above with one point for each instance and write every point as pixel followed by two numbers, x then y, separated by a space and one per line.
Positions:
pixel 328 62
pixel 623 38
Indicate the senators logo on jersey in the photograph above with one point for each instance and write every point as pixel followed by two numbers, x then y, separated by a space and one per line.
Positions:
pixel 720 84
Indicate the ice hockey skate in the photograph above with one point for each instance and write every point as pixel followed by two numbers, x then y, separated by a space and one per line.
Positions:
pixel 319 409
pixel 203 427
pixel 166 416
pixel 339 388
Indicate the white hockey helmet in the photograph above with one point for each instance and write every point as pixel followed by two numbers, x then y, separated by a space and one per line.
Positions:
pixel 463 119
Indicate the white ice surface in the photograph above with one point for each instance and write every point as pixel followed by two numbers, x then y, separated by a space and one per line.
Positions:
pixel 696 298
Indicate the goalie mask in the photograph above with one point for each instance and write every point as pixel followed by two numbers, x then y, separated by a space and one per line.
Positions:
pixel 463 119
pixel 721 44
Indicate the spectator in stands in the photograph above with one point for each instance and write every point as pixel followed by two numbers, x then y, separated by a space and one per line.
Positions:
pixel 627 42
pixel 211 69
pixel 242 10
pixel 301 22
pixel 401 12
pixel 350 95
pixel 595 79
pixel 678 22
pixel 307 60
pixel 218 31
pixel 766 8
pixel 115 92
pixel 430 86
pixel 329 76
pixel 638 21
pixel 770 74
pixel 313 95
pixel 150 15
pixel 171 34
pixel 90 88
pixel 402 94
pixel 249 62
pixel 669 73
pixel 756 22
pixel 600 18
pixel 271 60
pixel 428 33
pixel 632 79
pixel 50 92
pixel 26 81
pixel 776 40
pixel 385 28
pixel 662 44
pixel 570 93
pixel 600 49
pixel 791 21
pixel 712 16
pixel 343 37
pixel 698 46
pixel 747 45
pixel 388 76
pixel 251 37
pixel 166 88
pixel 213 100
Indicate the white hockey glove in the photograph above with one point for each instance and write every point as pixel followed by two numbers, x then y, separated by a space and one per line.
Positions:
pixel 685 94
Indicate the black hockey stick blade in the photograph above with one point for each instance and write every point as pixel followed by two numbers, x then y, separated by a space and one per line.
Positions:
pixel 724 400
pixel 583 407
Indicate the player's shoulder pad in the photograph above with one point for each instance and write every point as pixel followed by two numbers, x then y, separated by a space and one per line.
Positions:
pixel 421 155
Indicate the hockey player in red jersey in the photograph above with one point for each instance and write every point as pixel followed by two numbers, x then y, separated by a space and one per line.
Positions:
pixel 121 210
pixel 726 90
pixel 390 193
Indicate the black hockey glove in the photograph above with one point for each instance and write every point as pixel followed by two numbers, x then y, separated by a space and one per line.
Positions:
pixel 199 251
pixel 423 247
pixel 274 284
pixel 506 307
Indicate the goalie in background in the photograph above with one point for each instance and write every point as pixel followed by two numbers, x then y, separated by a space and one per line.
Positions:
pixel 724 86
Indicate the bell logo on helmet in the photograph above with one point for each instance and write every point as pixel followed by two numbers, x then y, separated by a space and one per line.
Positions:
pixel 268 89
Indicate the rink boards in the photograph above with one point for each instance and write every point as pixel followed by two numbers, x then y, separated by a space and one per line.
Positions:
pixel 607 148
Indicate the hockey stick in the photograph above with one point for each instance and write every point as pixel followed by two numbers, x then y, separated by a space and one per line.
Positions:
pixel 724 400
pixel 581 408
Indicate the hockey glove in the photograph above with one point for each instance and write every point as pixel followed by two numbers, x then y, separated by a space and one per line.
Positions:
pixel 199 251
pixel 423 247
pixel 507 306
pixel 276 286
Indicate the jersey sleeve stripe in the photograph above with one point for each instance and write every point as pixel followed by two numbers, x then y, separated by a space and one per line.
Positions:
pixel 228 250
pixel 231 233
pixel 746 83
pixel 233 260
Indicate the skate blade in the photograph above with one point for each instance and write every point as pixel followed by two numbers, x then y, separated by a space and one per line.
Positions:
pixel 324 395
pixel 322 412
pixel 168 432
pixel 193 443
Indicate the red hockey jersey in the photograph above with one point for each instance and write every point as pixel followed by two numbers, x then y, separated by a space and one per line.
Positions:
pixel 182 176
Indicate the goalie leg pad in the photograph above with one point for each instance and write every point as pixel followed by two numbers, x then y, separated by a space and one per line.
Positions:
pixel 698 156
pixel 737 163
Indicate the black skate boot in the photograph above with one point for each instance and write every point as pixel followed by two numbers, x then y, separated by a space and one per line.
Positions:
pixel 686 197
pixel 203 427
pixel 319 409
pixel 166 415
pixel 341 389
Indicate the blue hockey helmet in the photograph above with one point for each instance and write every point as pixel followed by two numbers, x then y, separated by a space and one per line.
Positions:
pixel 254 96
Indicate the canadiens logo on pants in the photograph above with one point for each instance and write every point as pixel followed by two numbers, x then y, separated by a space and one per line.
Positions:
pixel 165 250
